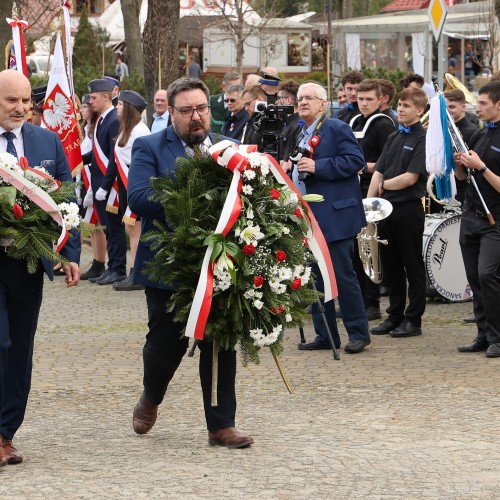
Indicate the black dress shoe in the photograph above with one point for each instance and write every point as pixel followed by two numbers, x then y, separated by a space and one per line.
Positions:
pixel 493 351
pixel 94 271
pixel 111 278
pixel 478 345
pixel 385 327
pixel 313 346
pixel 470 319
pixel 103 275
pixel 406 329
pixel 372 313
pixel 355 346
pixel 127 285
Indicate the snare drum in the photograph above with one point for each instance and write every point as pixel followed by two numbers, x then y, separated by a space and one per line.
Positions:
pixel 444 266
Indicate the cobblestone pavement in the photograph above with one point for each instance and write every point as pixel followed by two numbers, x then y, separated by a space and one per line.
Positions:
pixel 407 418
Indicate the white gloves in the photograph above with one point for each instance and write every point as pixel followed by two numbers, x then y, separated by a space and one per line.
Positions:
pixel 89 199
pixel 101 194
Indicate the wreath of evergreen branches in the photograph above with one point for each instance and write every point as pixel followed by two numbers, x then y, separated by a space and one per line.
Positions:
pixel 32 236
pixel 192 200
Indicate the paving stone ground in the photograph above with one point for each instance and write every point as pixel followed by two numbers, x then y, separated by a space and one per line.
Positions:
pixel 407 418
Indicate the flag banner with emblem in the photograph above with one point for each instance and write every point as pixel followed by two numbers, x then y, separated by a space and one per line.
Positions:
pixel 58 110
pixel 17 56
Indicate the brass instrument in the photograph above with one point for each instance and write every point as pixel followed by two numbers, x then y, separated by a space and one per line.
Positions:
pixel 452 83
pixel 376 209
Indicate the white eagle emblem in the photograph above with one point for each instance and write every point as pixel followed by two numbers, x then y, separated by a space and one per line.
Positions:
pixel 57 114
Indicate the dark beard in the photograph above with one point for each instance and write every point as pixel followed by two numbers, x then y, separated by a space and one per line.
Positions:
pixel 193 139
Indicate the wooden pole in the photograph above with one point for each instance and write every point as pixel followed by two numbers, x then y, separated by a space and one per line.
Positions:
pixel 159 70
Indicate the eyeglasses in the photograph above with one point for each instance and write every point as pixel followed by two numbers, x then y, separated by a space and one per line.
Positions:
pixel 230 100
pixel 308 98
pixel 283 96
pixel 203 109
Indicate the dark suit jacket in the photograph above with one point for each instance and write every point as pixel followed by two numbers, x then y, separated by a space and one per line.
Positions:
pixel 238 122
pixel 218 112
pixel 107 131
pixel 152 156
pixel 43 148
pixel 338 158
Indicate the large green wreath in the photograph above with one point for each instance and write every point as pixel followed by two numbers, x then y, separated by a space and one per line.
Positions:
pixel 260 282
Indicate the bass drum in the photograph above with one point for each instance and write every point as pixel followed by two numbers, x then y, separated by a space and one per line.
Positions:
pixel 446 279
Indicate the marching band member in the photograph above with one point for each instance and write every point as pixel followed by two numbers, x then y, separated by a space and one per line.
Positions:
pixel 480 240
pixel 400 177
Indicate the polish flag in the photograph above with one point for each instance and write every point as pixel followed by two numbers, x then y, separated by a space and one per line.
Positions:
pixel 58 110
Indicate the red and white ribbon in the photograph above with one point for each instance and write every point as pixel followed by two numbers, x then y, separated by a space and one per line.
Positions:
pixel 228 155
pixel 38 196
pixel 129 217
pixel 91 216
pixel 18 26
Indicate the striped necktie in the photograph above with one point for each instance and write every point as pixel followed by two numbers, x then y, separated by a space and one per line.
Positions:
pixel 10 143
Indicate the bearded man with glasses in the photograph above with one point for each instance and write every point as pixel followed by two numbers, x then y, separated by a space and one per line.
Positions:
pixel 154 156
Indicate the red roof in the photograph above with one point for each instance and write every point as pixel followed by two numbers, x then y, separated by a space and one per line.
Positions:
pixel 400 5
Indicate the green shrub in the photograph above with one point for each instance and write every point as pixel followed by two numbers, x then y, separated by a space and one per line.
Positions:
pixel 213 85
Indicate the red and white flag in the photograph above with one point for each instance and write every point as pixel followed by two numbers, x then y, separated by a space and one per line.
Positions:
pixel 58 110
pixel 17 59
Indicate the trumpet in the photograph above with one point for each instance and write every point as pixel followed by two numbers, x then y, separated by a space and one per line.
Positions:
pixel 376 209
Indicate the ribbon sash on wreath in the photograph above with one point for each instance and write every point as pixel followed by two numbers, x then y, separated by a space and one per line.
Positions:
pixel 229 155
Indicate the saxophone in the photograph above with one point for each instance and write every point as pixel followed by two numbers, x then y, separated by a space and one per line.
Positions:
pixel 376 209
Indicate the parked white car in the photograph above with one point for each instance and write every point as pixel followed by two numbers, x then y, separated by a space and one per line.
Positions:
pixel 39 65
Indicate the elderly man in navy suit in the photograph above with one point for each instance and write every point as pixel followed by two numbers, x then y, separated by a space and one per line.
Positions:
pixel 21 292
pixel 156 156
pixel 331 169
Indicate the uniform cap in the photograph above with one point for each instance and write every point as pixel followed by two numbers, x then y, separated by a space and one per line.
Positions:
pixel 134 99
pixel 101 85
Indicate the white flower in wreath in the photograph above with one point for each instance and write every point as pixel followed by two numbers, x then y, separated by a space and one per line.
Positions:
pixel 249 214
pixel 249 175
pixel 285 273
pixel 258 304
pixel 70 214
pixel 255 159
pixel 306 276
pixel 264 169
pixel 222 281
pixel 289 196
pixel 258 295
pixel 288 318
pixel 285 230
pixel 249 294
pixel 251 234
pixel 298 270
pixel 247 189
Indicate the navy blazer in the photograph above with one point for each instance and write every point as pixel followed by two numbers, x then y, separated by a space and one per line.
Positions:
pixel 338 158
pixel 107 132
pixel 44 148
pixel 152 156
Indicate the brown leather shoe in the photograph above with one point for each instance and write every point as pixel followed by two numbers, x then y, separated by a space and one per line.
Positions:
pixel 12 456
pixel 3 458
pixel 230 438
pixel 144 416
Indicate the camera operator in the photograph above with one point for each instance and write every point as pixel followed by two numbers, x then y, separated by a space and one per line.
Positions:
pixel 330 163
pixel 287 96
pixel 251 95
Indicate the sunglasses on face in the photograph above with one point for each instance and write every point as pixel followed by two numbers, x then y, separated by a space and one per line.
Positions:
pixel 230 100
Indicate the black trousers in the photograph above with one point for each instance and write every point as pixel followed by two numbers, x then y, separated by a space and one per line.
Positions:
pixel 480 245
pixel 162 355
pixel 116 240
pixel 402 261
pixel 20 301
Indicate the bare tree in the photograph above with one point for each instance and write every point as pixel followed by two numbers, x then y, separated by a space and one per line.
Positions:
pixel 237 21
pixel 486 50
pixel 160 47
pixel 131 26
pixel 5 30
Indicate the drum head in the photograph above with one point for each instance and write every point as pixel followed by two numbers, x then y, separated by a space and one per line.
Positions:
pixel 443 259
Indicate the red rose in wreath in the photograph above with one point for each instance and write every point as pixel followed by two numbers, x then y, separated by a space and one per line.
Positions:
pixel 280 256
pixel 296 284
pixel 17 211
pixel 258 281
pixel 248 249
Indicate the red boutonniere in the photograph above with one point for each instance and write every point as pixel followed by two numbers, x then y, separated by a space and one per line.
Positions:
pixel 314 141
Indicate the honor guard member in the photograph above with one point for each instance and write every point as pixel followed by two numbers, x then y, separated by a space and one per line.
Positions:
pixel 330 168
pixel 480 237
pixel 456 104
pixel 115 80
pixel 371 128
pixel 350 82
pixel 103 173
pixel 37 102
pixel 400 177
